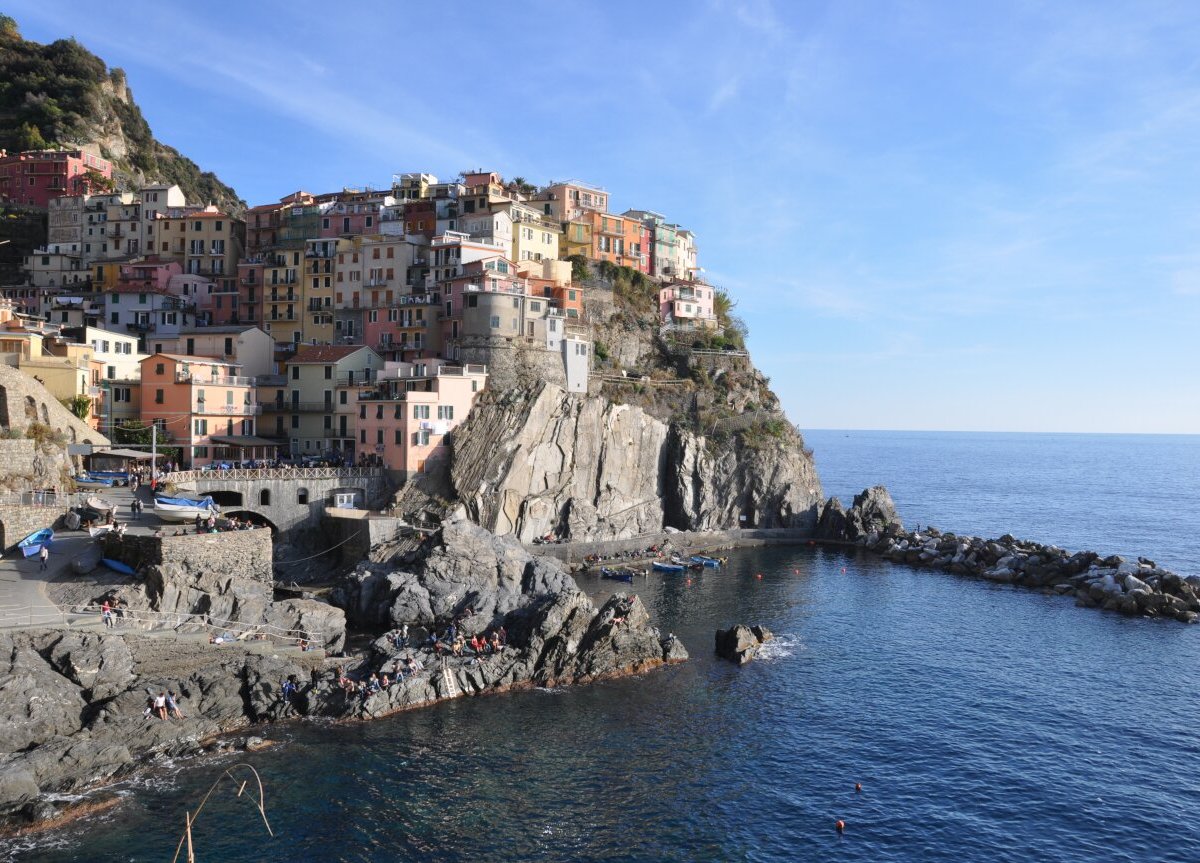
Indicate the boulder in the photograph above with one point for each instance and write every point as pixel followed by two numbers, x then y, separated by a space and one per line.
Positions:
pixel 872 511
pixel 740 643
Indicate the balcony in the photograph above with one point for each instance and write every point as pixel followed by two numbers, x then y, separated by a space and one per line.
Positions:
pixel 275 407
pixel 226 381
pixel 317 306
pixel 309 407
pixel 289 297
pixel 242 410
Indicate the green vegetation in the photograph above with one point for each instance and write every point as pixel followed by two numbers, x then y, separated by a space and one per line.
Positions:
pixel 46 437
pixel 133 433
pixel 62 95
pixel 600 350
pixel 581 271
pixel 81 406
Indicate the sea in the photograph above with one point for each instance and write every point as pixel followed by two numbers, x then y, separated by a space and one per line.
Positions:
pixel 982 722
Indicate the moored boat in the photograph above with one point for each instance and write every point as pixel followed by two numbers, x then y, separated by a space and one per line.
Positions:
pixel 704 560
pixel 86 481
pixel 184 509
pixel 33 543
pixel 666 567
pixel 616 574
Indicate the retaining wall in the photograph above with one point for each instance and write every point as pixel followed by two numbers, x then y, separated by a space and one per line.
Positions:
pixel 17 521
pixel 248 553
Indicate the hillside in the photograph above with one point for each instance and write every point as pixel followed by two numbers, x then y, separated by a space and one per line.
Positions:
pixel 61 94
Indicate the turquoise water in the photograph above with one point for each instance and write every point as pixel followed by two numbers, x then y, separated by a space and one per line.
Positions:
pixel 984 723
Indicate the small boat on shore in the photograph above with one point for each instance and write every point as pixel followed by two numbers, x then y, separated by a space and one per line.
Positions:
pixel 99 530
pixel 184 508
pixel 88 481
pixel 117 566
pixel 33 543
pixel 666 567
pixel 100 505
pixel 704 560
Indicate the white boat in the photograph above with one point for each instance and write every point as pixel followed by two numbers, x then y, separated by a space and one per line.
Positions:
pixel 99 504
pixel 184 509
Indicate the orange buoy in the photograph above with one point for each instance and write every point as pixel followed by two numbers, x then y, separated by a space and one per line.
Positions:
pixel 759 575
pixel 841 825
pixel 858 787
pixel 796 571
pixel 689 581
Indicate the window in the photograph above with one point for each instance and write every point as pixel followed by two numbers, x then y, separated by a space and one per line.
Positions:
pixel 495 322
pixel 201 427
pixel 264 497
pixel 228 347
pixel 362 435
pixel 420 412
pixel 399 436
pixel 158 397
pixel 111 371
pixel 445 412
pixel 302 496
pixel 295 373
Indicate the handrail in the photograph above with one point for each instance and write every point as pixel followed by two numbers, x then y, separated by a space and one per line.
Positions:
pixel 181 476
pixel 181 619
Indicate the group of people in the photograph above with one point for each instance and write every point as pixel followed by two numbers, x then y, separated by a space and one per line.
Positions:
pixel 211 525
pixel 164 706
pixel 488 643
pixel 364 688
pixel 110 610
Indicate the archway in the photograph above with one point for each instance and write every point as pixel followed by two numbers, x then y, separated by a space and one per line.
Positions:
pixel 255 518
pixel 224 498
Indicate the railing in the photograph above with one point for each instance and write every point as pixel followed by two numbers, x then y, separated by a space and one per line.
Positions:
pixel 301 407
pixel 184 476
pixel 47 499
pixel 144 618
pixel 227 381
pixel 252 410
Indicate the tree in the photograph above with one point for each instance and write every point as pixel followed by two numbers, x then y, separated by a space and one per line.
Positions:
pixel 133 433
pixel 29 137
pixel 80 405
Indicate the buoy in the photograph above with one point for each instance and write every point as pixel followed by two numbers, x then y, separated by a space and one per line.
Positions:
pixel 843 569
pixel 796 571
pixel 858 787
pixel 841 825
pixel 759 575
pixel 689 581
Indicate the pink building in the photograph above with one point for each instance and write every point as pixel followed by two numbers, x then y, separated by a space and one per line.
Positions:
pixel 687 305
pixel 204 407
pixel 408 416
pixel 36 176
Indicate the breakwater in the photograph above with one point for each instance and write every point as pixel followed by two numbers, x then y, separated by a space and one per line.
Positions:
pixel 1111 582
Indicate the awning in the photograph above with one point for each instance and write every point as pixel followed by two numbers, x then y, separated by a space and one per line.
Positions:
pixel 125 453
pixel 243 440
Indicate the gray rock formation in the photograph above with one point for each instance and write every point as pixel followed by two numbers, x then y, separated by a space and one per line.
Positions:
pixel 872 512
pixel 741 643
pixel 530 462
pixel 1111 583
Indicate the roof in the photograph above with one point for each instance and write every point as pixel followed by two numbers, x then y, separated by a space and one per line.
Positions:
pixel 243 440
pixel 324 353
pixel 125 453
pixel 223 328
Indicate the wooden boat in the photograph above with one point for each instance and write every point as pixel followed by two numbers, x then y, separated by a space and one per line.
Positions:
pixel 666 567
pixel 616 574
pixel 706 561
pixel 117 566
pixel 99 504
pixel 184 508
pixel 686 564
pixel 33 543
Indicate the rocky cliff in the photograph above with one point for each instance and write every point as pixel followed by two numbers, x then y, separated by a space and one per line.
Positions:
pixel 537 461
pixel 61 94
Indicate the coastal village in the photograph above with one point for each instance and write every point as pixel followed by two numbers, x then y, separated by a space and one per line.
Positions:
pixel 355 327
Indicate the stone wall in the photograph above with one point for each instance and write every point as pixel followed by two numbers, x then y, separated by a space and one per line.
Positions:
pixel 513 362
pixel 24 401
pixel 244 552
pixel 691 540
pixel 17 521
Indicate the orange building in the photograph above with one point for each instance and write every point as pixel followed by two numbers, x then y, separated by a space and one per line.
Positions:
pixel 203 406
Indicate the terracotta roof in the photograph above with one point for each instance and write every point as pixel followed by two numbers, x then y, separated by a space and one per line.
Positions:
pixel 324 353
pixel 186 359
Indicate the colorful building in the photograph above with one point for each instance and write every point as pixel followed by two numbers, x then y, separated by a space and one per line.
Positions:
pixel 203 405
pixel 313 376
pixel 35 176
pixel 406 419
pixel 688 305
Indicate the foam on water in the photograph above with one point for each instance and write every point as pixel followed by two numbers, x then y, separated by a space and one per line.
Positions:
pixel 780 647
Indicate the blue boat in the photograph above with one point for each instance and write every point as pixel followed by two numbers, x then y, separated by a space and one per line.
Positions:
pixel 667 567
pixel 616 574
pixel 117 566
pixel 706 561
pixel 33 543
pixel 89 481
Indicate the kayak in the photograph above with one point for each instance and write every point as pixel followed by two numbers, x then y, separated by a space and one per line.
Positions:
pixel 117 566
pixel 667 567
pixel 33 543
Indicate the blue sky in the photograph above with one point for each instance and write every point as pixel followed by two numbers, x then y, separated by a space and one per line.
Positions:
pixel 975 216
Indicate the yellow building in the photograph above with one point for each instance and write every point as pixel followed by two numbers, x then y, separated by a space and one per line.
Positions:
pixel 205 243
pixel 105 275
pixel 577 239
pixel 535 237
pixel 282 295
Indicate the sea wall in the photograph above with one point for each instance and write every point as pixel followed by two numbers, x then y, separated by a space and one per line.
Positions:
pixel 246 552
pixel 17 521
pixel 1094 580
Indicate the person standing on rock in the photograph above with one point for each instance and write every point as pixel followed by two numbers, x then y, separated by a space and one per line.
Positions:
pixel 43 557
pixel 160 706
pixel 106 614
